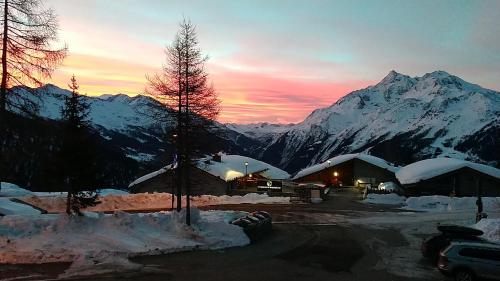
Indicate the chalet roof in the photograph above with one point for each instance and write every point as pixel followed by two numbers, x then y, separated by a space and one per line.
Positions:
pixel 231 167
pixel 430 168
pixel 344 158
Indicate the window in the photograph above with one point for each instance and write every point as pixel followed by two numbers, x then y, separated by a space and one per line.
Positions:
pixel 487 254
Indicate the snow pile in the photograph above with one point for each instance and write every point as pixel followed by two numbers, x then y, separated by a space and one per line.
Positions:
pixel 435 203
pixel 491 229
pixel 8 207
pixel 439 203
pixel 344 158
pixel 12 190
pixel 387 199
pixel 430 168
pixel 151 201
pixel 110 191
pixel 107 240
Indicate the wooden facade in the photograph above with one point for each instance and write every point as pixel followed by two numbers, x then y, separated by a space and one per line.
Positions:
pixel 354 172
pixel 461 182
pixel 201 182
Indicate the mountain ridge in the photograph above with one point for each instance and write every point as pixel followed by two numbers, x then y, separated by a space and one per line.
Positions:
pixel 401 119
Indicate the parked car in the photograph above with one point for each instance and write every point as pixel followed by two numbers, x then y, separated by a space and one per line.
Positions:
pixel 468 261
pixel 256 224
pixel 448 233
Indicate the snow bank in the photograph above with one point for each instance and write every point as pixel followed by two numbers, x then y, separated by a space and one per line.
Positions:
pixel 107 240
pixel 438 203
pixel 151 201
pixel 435 203
pixel 110 191
pixel 12 190
pixel 388 199
pixel 344 158
pixel 491 229
pixel 430 168
pixel 7 207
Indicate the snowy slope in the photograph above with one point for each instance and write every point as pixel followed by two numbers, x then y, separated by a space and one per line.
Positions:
pixel 400 119
pixel 113 112
pixel 128 122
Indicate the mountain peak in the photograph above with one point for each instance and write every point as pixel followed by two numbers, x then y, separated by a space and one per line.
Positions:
pixel 438 74
pixel 392 77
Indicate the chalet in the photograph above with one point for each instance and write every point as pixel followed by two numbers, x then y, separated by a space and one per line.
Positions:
pixel 349 170
pixel 216 175
pixel 448 176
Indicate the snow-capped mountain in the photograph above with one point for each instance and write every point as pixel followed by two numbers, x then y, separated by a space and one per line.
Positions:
pixel 127 122
pixel 401 119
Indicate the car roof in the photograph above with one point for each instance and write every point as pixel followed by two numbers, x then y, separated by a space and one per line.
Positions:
pixel 490 245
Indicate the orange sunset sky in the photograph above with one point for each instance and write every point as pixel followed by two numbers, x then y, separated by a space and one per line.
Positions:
pixel 276 61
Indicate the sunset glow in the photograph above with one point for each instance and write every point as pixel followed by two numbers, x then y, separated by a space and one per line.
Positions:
pixel 276 62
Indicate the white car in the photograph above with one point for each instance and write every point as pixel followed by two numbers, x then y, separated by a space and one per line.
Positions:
pixel 388 186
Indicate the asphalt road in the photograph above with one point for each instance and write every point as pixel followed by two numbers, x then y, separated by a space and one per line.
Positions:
pixel 306 244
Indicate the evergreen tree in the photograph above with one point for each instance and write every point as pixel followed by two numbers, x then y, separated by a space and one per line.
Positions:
pixel 78 159
pixel 183 87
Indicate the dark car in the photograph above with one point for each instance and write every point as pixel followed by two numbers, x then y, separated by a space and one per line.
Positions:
pixel 256 225
pixel 468 261
pixel 449 233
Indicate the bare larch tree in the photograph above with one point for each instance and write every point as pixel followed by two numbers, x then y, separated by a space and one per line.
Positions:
pixel 28 31
pixel 183 87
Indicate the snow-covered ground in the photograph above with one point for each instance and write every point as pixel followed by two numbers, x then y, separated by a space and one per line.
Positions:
pixel 388 199
pixel 101 243
pixel 151 201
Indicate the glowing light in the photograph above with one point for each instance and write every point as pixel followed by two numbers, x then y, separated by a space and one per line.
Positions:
pixel 231 175
pixel 335 174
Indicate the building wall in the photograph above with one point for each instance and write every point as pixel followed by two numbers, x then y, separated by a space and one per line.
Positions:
pixel 365 173
pixel 201 183
pixel 349 173
pixel 462 182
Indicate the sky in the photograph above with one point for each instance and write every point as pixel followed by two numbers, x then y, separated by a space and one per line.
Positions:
pixel 276 61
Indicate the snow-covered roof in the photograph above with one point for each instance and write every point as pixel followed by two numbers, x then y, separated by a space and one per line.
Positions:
pixel 344 158
pixel 429 168
pixel 231 167
pixel 150 175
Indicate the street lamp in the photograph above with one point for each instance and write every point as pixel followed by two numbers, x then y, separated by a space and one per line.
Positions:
pixel 246 168
pixel 335 174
